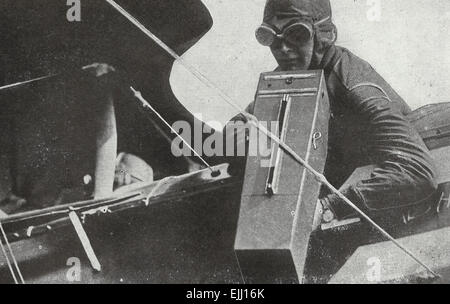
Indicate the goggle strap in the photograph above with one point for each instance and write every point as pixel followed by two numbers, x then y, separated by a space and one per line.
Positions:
pixel 322 21
pixel 267 27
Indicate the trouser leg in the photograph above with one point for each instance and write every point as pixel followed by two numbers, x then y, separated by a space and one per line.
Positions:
pixel 106 150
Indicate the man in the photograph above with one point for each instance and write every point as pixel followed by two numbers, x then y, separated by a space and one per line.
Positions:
pixel 63 141
pixel 368 125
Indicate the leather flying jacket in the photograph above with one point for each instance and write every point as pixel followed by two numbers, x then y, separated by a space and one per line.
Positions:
pixel 368 126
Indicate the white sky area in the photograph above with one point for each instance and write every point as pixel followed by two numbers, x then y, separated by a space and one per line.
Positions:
pixel 408 43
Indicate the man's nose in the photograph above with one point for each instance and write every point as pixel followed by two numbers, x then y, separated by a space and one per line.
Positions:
pixel 285 47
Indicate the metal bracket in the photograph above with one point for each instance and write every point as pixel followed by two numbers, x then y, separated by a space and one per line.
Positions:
pixel 316 137
pixel 276 155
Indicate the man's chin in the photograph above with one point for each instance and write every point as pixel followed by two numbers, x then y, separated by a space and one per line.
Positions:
pixel 293 67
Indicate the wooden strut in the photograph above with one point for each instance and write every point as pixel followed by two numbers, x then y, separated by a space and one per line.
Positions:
pixel 139 195
pixel 82 235
pixel 33 223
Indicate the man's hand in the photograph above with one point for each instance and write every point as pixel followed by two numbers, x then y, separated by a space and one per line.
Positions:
pixel 131 169
pixel 11 204
pixel 99 69
pixel 322 215
pixel 251 119
pixel 106 77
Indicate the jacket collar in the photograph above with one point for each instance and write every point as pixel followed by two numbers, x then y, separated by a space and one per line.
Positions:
pixel 330 59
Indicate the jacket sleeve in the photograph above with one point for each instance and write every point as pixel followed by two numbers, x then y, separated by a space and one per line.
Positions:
pixel 404 175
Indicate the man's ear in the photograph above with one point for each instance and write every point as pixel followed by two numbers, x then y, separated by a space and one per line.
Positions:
pixel 327 35
pixel 334 33
pixel 322 41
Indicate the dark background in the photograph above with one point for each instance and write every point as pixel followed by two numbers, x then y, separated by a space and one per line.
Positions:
pixel 37 39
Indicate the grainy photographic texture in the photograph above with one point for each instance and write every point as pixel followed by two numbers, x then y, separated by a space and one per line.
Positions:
pixel 207 141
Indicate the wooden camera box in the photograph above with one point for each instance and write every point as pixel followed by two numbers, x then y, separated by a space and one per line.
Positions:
pixel 279 195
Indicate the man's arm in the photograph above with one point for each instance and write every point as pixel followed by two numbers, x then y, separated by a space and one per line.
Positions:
pixel 106 143
pixel 405 174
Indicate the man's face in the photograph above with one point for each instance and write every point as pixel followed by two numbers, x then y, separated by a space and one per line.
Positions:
pixel 292 55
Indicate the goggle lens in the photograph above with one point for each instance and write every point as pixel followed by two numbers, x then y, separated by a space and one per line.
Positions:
pixel 297 34
pixel 265 35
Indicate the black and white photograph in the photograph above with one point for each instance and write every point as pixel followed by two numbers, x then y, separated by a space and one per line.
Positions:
pixel 232 142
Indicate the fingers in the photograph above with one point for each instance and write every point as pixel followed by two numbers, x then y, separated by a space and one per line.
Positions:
pixel 251 119
pixel 318 216
pixel 322 215
pixel 128 178
pixel 122 178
